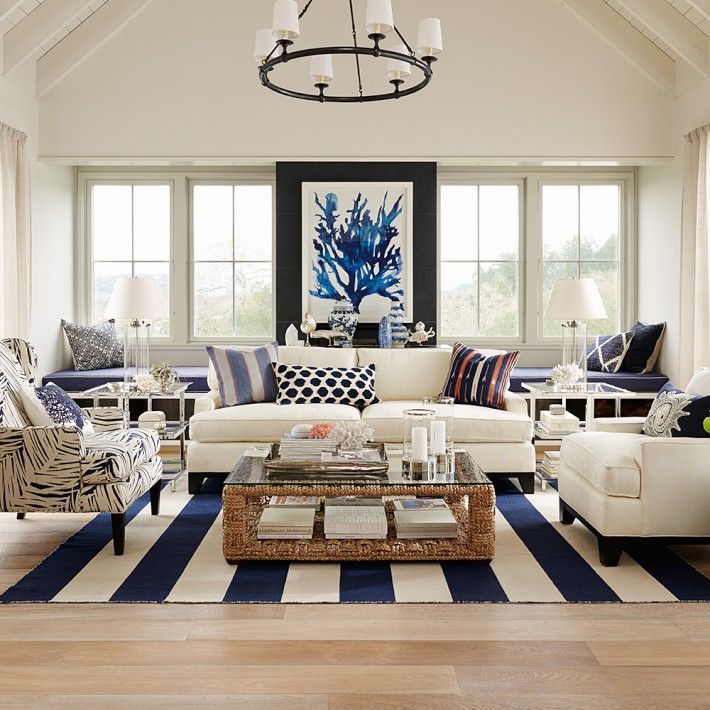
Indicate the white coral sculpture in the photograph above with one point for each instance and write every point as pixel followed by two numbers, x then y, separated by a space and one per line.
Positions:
pixel 351 436
pixel 566 375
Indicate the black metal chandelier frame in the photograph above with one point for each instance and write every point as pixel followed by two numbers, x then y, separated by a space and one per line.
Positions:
pixel 272 62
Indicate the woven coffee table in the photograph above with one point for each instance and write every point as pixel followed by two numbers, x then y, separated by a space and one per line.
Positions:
pixel 468 492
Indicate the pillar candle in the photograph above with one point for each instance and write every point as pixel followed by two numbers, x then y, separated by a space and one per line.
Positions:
pixel 419 441
pixel 438 437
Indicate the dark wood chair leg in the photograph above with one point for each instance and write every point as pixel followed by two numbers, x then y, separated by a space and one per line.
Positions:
pixel 610 549
pixel 194 483
pixel 567 517
pixel 155 498
pixel 21 516
pixel 527 482
pixel 118 524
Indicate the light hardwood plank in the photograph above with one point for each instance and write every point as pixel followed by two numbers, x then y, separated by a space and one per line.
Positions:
pixel 190 702
pixel 651 653
pixel 92 630
pixel 232 679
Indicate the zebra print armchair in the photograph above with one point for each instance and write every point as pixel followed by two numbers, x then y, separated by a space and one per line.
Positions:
pixel 59 468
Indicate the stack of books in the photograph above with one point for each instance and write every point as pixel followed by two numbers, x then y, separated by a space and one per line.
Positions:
pixel 556 425
pixel 424 517
pixel 298 449
pixel 347 520
pixel 286 523
pixel 550 464
pixel 295 502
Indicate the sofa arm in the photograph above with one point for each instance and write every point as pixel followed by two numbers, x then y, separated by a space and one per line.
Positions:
pixel 675 486
pixel 40 467
pixel 208 402
pixel 619 425
pixel 105 418
pixel 515 403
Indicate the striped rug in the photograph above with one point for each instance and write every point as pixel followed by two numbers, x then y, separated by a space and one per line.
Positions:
pixel 177 557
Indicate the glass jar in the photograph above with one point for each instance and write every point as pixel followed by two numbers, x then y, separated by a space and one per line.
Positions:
pixel 417 461
pixel 442 432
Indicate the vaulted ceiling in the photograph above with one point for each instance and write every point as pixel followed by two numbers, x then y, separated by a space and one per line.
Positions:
pixel 664 39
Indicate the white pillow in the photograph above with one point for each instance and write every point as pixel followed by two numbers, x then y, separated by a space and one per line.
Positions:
pixel 699 383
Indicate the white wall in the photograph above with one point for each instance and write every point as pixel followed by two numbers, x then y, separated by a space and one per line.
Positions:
pixel 52 229
pixel 518 79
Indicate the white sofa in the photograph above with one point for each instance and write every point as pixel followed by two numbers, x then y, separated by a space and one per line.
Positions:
pixel 499 440
pixel 626 486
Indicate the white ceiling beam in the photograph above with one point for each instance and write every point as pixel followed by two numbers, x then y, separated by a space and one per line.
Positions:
pixel 677 31
pixel 702 6
pixel 7 7
pixel 626 40
pixel 86 39
pixel 27 37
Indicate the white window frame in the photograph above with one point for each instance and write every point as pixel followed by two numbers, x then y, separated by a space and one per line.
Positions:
pixel 85 296
pixel 478 182
pixel 236 182
pixel 531 308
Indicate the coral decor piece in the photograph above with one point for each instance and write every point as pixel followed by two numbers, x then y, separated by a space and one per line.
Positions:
pixel 321 430
pixel 357 257
pixel 146 383
pixel 420 334
pixel 352 436
pixel 566 375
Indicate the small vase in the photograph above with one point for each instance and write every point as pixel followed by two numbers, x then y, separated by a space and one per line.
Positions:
pixel 344 319
pixel 384 333
pixel 400 335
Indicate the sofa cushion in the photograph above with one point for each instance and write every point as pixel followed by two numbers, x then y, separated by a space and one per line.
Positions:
pixel 265 421
pixel 472 424
pixel 607 352
pixel 700 382
pixel 50 405
pixel 645 347
pixel 610 462
pixel 298 384
pixel 675 413
pixel 113 455
pixel 94 346
pixel 245 376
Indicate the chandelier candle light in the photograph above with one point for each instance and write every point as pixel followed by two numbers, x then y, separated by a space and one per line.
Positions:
pixel 271 50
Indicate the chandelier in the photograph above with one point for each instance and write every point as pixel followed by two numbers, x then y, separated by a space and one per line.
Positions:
pixel 271 51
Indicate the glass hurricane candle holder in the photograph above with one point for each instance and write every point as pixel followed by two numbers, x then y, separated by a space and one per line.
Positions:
pixel 417 462
pixel 442 432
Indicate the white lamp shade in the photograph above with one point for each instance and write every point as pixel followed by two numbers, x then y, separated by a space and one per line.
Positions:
pixel 285 24
pixel 379 18
pixel 136 299
pixel 264 44
pixel 575 299
pixel 429 42
pixel 322 69
pixel 397 69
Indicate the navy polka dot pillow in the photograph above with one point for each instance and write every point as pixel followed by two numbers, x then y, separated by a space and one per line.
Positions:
pixel 301 384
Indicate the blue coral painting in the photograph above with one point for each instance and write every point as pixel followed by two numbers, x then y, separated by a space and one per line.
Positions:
pixel 357 247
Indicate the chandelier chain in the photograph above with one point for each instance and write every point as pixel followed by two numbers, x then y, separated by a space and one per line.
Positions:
pixel 357 56
pixel 305 9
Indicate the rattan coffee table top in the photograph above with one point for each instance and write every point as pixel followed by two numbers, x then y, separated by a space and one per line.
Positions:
pixel 250 471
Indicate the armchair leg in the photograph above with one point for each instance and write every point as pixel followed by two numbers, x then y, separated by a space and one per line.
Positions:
pixel 527 482
pixel 610 549
pixel 567 516
pixel 155 498
pixel 118 524
pixel 194 483
pixel 21 516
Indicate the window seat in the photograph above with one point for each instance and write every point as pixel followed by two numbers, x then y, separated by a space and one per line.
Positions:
pixel 648 382
pixel 78 381
pixel 81 380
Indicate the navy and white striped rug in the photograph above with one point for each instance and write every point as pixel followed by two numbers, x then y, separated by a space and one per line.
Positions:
pixel 177 557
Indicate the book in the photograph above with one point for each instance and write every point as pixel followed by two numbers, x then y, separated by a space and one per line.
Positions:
pixel 353 500
pixel 433 522
pixel 420 504
pixel 286 523
pixel 355 521
pixel 295 502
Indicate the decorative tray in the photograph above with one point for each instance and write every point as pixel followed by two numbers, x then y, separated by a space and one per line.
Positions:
pixel 276 467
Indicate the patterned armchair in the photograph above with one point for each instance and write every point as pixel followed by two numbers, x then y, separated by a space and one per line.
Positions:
pixel 59 468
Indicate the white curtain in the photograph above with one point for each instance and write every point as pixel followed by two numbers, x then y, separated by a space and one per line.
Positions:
pixel 15 240
pixel 695 257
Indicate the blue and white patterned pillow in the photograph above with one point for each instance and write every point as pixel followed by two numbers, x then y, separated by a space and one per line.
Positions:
pixel 301 384
pixel 675 413
pixel 94 347
pixel 245 376
pixel 607 353
pixel 51 405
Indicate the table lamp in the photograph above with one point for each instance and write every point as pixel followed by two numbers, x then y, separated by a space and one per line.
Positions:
pixel 137 301
pixel 574 301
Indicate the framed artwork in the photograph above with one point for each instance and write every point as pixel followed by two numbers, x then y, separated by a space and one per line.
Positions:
pixel 357 247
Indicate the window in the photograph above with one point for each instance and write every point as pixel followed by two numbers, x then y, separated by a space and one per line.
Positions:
pixel 129 235
pixel 232 267
pixel 479 252
pixel 581 237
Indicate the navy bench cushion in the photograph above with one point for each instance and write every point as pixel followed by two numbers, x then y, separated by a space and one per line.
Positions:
pixel 79 381
pixel 647 382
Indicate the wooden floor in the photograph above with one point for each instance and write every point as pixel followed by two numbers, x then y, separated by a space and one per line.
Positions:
pixel 341 656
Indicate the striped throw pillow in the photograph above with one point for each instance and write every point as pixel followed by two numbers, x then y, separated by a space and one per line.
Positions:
pixel 245 376
pixel 475 378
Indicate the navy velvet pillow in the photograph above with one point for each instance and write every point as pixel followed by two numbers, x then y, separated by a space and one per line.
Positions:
pixel 645 346
pixel 675 413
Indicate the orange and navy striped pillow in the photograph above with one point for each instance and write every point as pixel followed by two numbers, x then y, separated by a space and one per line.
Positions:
pixel 475 378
